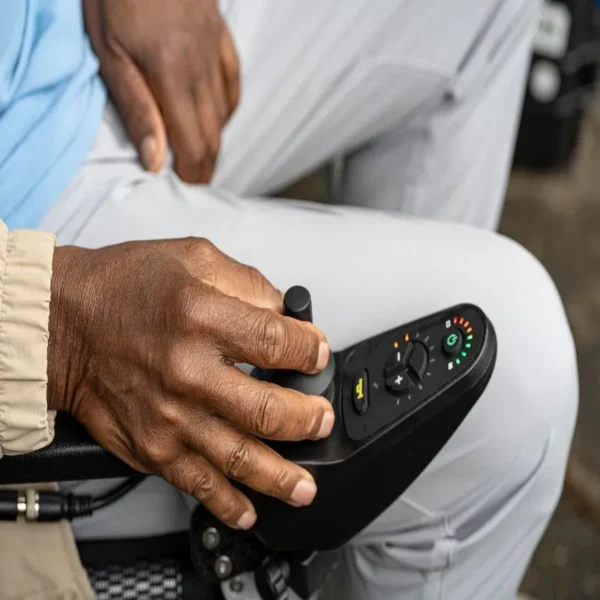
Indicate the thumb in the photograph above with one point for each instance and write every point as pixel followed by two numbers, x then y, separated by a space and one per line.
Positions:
pixel 139 111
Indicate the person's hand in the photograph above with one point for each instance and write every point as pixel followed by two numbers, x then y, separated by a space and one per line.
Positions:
pixel 172 70
pixel 143 341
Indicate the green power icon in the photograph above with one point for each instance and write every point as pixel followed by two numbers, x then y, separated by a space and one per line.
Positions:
pixel 452 339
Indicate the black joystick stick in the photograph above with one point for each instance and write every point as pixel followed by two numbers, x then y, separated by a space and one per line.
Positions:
pixel 298 305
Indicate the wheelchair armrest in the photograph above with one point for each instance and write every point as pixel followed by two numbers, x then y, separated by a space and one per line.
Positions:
pixel 73 455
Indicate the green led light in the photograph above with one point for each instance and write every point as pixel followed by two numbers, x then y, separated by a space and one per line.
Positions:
pixel 458 361
pixel 467 345
pixel 463 353
pixel 469 337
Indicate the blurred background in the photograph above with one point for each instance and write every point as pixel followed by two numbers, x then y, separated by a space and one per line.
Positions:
pixel 553 209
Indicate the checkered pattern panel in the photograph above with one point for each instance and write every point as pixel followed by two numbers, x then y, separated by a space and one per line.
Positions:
pixel 138 581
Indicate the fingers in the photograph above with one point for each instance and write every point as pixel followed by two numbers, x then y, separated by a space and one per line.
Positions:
pixel 178 106
pixel 249 461
pixel 211 123
pixel 195 109
pixel 139 111
pixel 268 340
pixel 217 92
pixel 199 478
pixel 268 410
pixel 230 66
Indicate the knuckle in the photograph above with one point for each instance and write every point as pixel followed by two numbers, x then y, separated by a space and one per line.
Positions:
pixel 204 249
pixel 158 453
pixel 205 486
pixel 271 336
pixel 240 461
pixel 267 417
pixel 229 511
pixel 202 254
pixel 256 278
pixel 185 312
pixel 281 483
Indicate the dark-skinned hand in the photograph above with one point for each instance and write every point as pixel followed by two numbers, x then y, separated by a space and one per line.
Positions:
pixel 173 73
pixel 144 337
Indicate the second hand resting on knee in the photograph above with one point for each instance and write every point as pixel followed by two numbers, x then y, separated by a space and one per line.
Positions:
pixel 144 337
pixel 173 73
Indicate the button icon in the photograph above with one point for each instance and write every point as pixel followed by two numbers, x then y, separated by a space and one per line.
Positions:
pixel 399 383
pixel 359 389
pixel 394 363
pixel 452 339
pixel 360 393
pixel 453 342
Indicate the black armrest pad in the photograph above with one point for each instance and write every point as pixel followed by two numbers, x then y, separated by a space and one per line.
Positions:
pixel 73 455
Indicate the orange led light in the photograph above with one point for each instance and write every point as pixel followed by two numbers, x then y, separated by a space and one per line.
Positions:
pixel 396 344
pixel 467 323
pixel 469 330
pixel 461 320
pixel 406 338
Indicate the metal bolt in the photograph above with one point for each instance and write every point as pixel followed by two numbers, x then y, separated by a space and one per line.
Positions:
pixel 211 538
pixel 223 567
pixel 236 585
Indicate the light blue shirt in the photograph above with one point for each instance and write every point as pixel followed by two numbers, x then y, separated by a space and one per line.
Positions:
pixel 51 104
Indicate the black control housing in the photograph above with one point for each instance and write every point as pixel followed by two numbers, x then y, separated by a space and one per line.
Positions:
pixel 382 442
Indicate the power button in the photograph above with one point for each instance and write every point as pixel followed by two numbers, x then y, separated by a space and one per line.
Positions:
pixel 453 342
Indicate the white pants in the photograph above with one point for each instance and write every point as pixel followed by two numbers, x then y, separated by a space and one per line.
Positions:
pixel 423 97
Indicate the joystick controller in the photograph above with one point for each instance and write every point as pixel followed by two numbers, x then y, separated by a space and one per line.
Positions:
pixel 398 398
pixel 297 304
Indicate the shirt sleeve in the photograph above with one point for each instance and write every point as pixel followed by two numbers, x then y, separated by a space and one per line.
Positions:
pixel 25 273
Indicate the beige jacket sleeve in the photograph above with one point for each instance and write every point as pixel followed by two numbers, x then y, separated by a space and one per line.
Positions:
pixel 38 561
pixel 25 272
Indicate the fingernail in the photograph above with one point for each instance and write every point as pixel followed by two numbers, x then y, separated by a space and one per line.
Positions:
pixel 246 521
pixel 304 492
pixel 326 424
pixel 323 356
pixel 148 151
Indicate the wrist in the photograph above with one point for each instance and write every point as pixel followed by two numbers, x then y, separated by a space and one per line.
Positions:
pixel 66 356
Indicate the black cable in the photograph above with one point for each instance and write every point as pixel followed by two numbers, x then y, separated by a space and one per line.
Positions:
pixel 53 506
pixel 117 492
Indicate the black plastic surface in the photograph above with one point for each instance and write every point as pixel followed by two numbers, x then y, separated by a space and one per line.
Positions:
pixel 72 456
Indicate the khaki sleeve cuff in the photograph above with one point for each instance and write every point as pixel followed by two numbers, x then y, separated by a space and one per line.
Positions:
pixel 25 273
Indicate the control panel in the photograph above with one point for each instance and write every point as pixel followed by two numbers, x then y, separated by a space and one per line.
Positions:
pixel 390 376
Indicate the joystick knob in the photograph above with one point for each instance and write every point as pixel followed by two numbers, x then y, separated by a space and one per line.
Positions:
pixel 298 304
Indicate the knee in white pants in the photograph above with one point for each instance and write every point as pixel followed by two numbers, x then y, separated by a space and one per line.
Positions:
pixel 468 526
